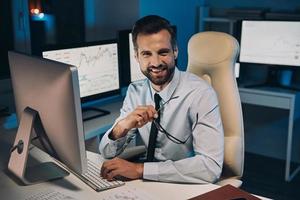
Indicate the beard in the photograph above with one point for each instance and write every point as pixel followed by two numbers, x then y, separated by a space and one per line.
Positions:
pixel 159 75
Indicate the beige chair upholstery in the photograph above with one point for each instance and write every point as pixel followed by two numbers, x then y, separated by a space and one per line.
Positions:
pixel 212 55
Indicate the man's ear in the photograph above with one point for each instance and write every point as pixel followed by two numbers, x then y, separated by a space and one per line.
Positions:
pixel 175 52
pixel 136 55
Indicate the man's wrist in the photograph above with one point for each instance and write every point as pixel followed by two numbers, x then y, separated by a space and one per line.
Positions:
pixel 140 169
pixel 118 131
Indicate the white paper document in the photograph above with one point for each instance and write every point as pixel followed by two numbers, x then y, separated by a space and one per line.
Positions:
pixel 129 193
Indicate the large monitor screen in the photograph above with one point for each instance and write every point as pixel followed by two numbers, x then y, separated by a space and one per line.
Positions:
pixel 98 67
pixel 270 42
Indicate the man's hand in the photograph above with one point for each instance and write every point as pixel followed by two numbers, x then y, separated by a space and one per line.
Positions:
pixel 136 119
pixel 120 167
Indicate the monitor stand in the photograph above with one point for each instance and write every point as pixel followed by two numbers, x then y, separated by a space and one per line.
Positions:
pixel 89 113
pixel 17 164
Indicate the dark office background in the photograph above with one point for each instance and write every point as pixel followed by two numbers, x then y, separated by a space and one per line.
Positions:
pixel 91 20
pixel 80 21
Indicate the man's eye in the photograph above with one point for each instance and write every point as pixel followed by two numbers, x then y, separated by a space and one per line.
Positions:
pixel 164 53
pixel 145 55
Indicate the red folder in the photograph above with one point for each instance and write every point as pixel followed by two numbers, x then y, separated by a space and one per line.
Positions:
pixel 227 192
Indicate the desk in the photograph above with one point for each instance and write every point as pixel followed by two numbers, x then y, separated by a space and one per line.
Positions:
pixel 282 99
pixel 74 187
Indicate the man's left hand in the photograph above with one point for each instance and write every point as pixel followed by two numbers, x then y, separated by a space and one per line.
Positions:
pixel 120 167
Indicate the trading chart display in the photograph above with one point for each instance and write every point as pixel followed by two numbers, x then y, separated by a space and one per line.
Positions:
pixel 98 68
pixel 270 42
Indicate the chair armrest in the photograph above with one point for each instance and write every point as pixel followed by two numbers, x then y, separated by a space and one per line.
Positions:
pixel 232 181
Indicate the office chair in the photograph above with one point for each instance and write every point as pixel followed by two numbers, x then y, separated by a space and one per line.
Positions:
pixel 212 56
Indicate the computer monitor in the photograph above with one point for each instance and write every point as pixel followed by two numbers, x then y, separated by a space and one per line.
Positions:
pixel 98 67
pixel 237 70
pixel 51 90
pixel 130 67
pixel 273 43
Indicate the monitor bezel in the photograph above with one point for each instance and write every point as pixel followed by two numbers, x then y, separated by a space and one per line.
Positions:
pixel 101 95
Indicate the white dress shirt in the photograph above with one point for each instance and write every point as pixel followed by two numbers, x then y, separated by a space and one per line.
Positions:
pixel 194 112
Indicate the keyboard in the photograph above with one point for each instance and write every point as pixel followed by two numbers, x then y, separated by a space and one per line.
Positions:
pixel 93 179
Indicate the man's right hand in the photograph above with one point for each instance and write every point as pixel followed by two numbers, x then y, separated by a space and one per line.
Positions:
pixel 136 119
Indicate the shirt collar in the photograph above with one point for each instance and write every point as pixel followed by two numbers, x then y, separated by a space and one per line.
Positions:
pixel 168 91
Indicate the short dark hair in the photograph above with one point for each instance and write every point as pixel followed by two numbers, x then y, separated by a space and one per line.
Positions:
pixel 152 24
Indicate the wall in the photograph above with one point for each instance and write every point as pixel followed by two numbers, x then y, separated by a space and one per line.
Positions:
pixel 21 42
pixel 218 6
pixel 275 5
pixel 104 18
pixel 20 16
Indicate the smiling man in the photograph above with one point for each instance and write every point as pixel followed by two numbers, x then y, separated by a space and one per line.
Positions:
pixel 175 113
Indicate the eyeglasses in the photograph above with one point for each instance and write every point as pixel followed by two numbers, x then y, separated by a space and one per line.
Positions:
pixel 170 136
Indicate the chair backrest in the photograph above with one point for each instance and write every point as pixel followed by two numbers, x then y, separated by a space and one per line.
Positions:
pixel 212 56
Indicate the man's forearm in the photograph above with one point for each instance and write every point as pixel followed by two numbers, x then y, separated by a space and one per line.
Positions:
pixel 196 169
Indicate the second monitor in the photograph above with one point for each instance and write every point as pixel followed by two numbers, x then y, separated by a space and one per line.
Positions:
pixel 274 44
pixel 98 68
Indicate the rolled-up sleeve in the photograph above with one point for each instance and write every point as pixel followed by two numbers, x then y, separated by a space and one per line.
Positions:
pixel 110 148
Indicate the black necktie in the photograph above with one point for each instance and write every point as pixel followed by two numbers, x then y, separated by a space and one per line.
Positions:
pixel 153 131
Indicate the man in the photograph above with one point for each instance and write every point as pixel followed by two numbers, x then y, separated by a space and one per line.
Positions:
pixel 183 134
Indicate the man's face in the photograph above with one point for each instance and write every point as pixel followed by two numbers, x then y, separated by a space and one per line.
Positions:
pixel 156 57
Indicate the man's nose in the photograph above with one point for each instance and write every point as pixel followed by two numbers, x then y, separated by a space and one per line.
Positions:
pixel 155 61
